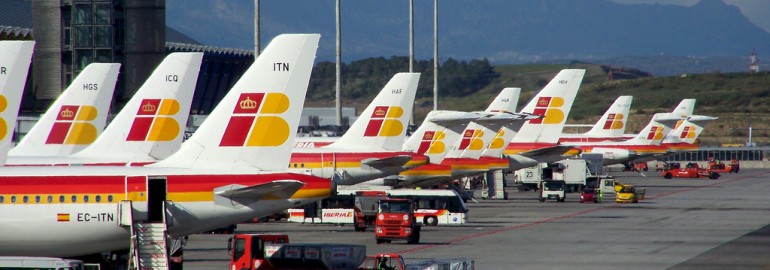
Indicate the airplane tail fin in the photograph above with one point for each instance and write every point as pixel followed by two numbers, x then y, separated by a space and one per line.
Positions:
pixel 652 134
pixel 685 108
pixel 151 124
pixel 76 118
pixel 553 103
pixel 613 122
pixel 689 130
pixel 255 124
pixel 438 131
pixel 382 125
pixel 15 57
pixel 506 101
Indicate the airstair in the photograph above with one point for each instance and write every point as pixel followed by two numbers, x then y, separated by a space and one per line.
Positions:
pixel 149 239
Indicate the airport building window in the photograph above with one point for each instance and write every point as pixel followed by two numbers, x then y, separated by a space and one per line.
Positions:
pixel 102 14
pixel 102 36
pixel 84 57
pixel 74 198
pixel 83 36
pixel 98 198
pixel 50 198
pixel 61 198
pixel 103 56
pixel 83 14
pixel 2 199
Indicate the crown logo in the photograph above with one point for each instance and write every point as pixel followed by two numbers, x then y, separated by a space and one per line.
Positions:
pixel 66 113
pixel 427 136
pixel 469 133
pixel 248 104
pixel 148 107
pixel 379 112
pixel 543 102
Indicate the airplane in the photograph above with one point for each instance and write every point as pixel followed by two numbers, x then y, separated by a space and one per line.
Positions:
pixel 545 132
pixel 150 126
pixel 371 147
pixel 76 118
pixel 462 158
pixel 610 127
pixel 232 169
pixel 15 58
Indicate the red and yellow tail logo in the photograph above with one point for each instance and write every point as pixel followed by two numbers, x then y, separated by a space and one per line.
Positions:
pixel 550 109
pixel 656 133
pixel 498 142
pixel 255 121
pixel 73 125
pixel 3 124
pixel 153 121
pixel 385 122
pixel 614 121
pixel 432 142
pixel 472 140
pixel 688 133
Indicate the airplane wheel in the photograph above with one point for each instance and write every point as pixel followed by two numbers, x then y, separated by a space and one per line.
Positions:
pixel 713 175
pixel 430 220
pixel 380 241
pixel 667 176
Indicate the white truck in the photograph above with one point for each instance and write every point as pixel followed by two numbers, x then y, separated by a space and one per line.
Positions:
pixel 572 171
pixel 553 189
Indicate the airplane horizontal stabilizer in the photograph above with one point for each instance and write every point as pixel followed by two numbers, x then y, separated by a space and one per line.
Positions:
pixel 395 161
pixel 548 154
pixel 279 189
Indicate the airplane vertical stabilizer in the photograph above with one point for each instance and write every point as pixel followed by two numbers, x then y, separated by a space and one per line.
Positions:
pixel 15 57
pixel 382 125
pixel 652 134
pixel 76 118
pixel 478 135
pixel 613 123
pixel 152 124
pixel 553 103
pixel 689 130
pixel 255 124
pixel 438 132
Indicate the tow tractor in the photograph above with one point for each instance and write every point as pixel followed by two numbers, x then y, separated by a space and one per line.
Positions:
pixel 396 221
pixel 720 167
pixel 273 251
pixel 691 170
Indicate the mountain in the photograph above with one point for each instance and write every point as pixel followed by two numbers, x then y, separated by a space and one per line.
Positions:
pixel 502 31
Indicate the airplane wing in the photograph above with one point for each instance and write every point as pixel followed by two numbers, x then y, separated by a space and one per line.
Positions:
pixel 549 154
pixel 395 161
pixel 279 189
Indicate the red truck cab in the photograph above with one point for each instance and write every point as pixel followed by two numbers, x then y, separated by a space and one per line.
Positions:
pixel 247 250
pixel 396 221
pixel 365 208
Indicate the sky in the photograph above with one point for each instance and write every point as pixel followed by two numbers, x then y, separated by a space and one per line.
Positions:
pixel 757 11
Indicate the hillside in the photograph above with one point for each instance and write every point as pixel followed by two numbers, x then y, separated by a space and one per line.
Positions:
pixel 739 99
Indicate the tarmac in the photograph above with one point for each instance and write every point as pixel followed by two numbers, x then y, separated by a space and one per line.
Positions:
pixel 681 224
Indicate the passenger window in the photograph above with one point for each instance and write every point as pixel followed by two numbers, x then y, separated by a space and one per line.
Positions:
pixel 61 198
pixel 98 198
pixel 74 198
pixel 109 198
pixel 25 199
pixel 85 198
pixel 13 199
pixel 50 198
pixel 37 199
pixel 302 165
pixel 295 165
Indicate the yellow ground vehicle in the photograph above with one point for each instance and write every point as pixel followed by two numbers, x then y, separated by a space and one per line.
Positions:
pixel 626 193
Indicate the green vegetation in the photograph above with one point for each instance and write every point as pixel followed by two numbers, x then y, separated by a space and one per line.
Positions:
pixel 738 99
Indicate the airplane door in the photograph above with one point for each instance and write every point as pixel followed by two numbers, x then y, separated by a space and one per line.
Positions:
pixel 156 197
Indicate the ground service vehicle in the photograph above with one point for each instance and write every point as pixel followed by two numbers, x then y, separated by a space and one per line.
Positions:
pixel 553 189
pixel 572 171
pixel 248 250
pixel 691 170
pixel 396 221
pixel 365 209
pixel 590 195
pixel 627 193
pixel 433 207
pixel 719 167
pixel 604 183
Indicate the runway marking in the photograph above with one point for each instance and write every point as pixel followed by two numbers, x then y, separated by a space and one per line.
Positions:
pixel 525 225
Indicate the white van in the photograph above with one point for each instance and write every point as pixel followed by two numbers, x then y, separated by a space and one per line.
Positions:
pixel 553 189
